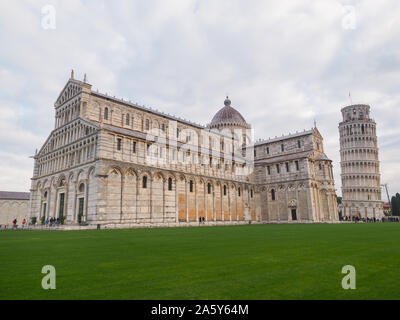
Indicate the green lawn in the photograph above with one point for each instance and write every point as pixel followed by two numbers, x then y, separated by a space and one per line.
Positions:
pixel 232 262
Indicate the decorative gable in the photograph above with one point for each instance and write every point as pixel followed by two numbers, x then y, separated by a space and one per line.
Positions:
pixel 48 146
pixel 317 133
pixel 71 89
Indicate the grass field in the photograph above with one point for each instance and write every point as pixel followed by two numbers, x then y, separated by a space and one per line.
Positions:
pixel 232 262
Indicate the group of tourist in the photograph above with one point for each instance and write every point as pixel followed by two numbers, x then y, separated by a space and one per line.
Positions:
pixel 52 222
pixel 24 223
pixel 358 219
pixel 15 225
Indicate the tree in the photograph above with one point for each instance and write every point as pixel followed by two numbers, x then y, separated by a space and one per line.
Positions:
pixel 396 205
pixel 339 199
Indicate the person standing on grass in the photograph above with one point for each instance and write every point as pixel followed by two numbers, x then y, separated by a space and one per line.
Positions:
pixel 23 223
pixel 15 223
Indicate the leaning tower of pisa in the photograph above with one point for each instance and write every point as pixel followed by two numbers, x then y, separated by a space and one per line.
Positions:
pixel 361 186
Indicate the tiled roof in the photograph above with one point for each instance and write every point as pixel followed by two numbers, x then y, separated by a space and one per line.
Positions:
pixel 323 157
pixel 10 195
pixel 143 108
pixel 289 136
pixel 131 133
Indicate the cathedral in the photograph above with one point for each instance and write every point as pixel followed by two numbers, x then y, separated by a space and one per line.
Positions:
pixel 112 162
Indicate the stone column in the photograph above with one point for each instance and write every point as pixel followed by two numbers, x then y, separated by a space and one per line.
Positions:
pixel 137 194
pixel 86 181
pixel 163 206
pixel 176 201
pixel 186 201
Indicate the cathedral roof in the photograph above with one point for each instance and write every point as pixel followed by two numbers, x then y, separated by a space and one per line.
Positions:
pixel 11 195
pixel 323 156
pixel 228 116
pixel 289 136
pixel 286 157
pixel 147 109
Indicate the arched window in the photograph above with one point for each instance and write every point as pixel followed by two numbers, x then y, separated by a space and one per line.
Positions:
pixel 144 182
pixel 209 188
pixel 224 190
pixel 106 113
pixel 169 184
pixel 251 193
pixel 273 194
pixel 239 192
pixel 127 119
pixel 191 185
pixel 147 124
pixel 81 187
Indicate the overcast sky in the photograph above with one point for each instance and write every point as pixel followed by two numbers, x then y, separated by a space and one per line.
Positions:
pixel 282 63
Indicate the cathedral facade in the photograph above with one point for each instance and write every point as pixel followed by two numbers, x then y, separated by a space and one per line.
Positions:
pixel 109 161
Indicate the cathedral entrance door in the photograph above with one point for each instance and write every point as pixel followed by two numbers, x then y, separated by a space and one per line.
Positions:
pixel 61 205
pixel 294 214
pixel 80 207
pixel 44 209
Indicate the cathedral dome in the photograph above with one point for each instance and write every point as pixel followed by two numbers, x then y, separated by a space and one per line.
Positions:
pixel 228 116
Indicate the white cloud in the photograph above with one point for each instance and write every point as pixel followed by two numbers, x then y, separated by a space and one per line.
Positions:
pixel 283 63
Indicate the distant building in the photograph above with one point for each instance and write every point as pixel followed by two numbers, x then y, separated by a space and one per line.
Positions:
pixel 13 205
pixel 387 209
